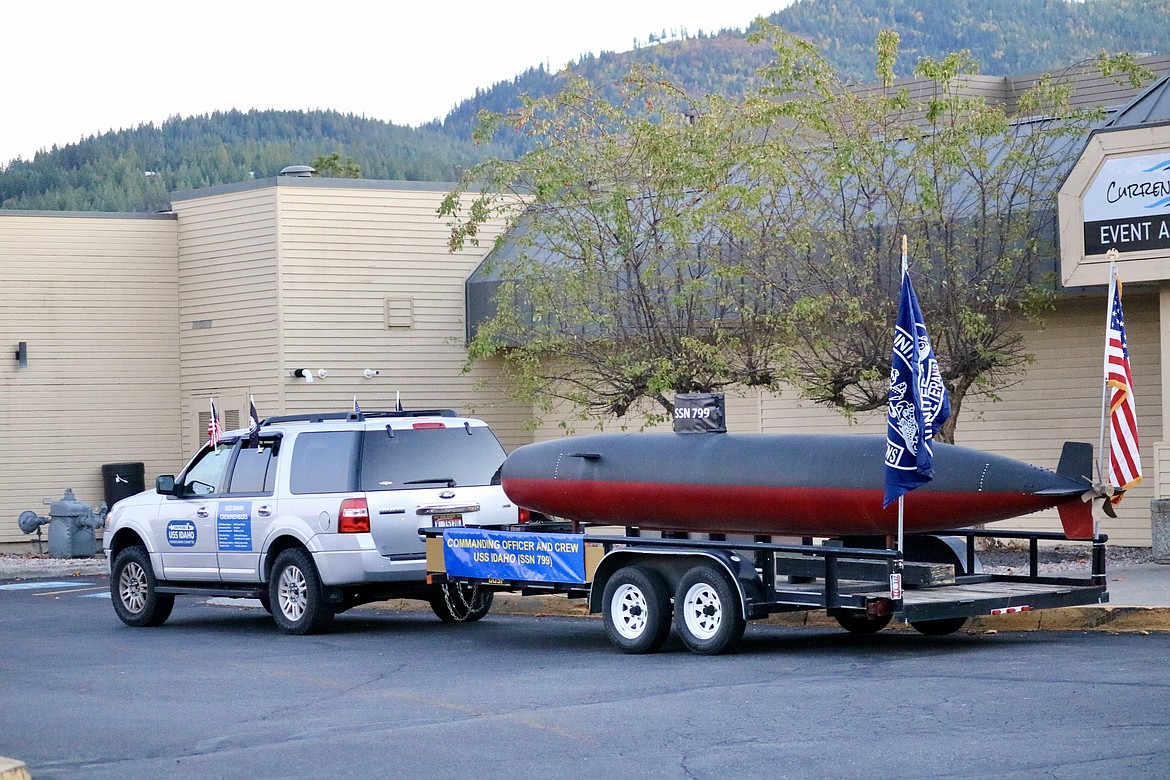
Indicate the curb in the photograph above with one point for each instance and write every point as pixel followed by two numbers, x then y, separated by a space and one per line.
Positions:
pixel 11 769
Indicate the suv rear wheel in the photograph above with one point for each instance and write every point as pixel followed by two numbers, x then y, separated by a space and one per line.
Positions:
pixel 135 590
pixel 294 593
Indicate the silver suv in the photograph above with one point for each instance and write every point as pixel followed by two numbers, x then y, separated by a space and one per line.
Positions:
pixel 316 514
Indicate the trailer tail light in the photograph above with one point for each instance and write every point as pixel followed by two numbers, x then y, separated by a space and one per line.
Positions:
pixel 353 517
pixel 422 426
pixel 1010 610
pixel 878 608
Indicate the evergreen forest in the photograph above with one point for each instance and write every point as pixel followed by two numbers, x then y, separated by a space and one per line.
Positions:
pixel 137 169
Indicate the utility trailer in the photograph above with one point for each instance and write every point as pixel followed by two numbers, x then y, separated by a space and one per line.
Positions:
pixel 709 588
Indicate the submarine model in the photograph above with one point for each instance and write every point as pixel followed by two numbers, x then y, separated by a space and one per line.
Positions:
pixel 785 484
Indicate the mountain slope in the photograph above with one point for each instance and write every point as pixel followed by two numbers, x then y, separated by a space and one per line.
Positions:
pixel 135 170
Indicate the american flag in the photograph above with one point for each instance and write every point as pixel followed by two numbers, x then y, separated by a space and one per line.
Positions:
pixel 356 409
pixel 214 427
pixel 1125 465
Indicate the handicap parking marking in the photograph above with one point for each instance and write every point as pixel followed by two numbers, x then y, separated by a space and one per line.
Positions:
pixel 46 585
pixel 85 586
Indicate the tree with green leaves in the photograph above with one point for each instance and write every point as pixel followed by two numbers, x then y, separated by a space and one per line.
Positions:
pixel 972 186
pixel 661 244
pixel 629 271
pixel 337 167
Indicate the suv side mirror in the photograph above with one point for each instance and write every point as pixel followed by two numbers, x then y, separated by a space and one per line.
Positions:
pixel 165 484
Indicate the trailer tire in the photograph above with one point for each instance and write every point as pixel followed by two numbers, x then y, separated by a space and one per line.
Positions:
pixel 860 623
pixel 636 609
pixel 940 627
pixel 461 603
pixel 707 612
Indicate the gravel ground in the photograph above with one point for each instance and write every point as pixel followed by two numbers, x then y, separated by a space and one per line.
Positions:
pixel 1059 558
pixel 18 566
pixel 998 560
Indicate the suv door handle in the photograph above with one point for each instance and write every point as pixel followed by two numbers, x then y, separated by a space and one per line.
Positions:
pixel 264 511
pixel 202 511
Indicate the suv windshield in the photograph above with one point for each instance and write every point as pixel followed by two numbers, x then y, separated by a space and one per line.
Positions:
pixel 429 457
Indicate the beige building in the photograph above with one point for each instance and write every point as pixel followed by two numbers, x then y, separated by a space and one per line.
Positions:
pixel 132 323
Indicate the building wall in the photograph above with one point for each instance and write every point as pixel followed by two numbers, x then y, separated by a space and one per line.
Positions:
pixel 367 282
pixel 95 297
pixel 229 334
pixel 332 275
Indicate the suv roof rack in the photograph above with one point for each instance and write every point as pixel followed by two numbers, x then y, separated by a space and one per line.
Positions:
pixel 357 416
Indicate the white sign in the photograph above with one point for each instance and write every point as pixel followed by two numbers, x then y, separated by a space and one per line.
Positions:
pixel 1127 206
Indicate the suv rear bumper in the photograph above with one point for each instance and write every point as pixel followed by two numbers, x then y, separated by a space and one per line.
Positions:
pixel 339 563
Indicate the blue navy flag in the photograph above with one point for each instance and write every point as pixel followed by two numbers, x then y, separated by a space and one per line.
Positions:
pixel 253 424
pixel 356 409
pixel 918 401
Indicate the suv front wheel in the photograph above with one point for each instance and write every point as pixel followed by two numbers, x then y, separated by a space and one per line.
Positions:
pixel 294 592
pixel 135 590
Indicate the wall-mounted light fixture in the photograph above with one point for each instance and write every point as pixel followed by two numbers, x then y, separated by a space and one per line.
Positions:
pixel 21 354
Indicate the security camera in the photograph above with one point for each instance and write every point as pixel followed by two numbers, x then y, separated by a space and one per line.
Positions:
pixel 303 373
pixel 322 373
pixel 370 373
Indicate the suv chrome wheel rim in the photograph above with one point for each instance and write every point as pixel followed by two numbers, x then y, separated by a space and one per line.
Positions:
pixel 132 587
pixel 629 611
pixel 702 611
pixel 292 593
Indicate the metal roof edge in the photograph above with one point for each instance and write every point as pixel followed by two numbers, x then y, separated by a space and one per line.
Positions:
pixel 89 214
pixel 313 181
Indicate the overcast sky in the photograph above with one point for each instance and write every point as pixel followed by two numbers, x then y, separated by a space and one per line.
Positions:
pixel 75 68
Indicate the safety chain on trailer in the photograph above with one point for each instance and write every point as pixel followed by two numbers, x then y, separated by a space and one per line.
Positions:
pixel 460 613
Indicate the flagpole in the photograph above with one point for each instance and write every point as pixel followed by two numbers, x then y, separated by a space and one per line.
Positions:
pixel 1101 449
pixel 901 509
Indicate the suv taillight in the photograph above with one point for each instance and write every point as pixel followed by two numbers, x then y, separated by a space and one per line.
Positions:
pixel 525 515
pixel 353 517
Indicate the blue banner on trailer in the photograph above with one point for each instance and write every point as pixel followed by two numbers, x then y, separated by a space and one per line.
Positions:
pixel 503 555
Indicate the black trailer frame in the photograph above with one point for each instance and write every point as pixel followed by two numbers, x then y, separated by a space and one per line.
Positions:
pixel 852 584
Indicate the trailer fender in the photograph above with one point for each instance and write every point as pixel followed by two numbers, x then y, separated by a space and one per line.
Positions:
pixel 671 565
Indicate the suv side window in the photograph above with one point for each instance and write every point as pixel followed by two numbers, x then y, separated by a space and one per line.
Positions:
pixel 204 476
pixel 255 469
pixel 325 462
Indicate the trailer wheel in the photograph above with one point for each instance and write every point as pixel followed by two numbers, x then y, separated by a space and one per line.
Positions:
pixel 940 627
pixel 636 608
pixel 861 623
pixel 707 612
pixel 461 603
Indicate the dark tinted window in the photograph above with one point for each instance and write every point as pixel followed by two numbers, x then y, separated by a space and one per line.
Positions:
pixel 255 470
pixel 429 457
pixel 325 462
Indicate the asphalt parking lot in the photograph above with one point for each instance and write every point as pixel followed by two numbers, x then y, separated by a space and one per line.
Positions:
pixel 219 691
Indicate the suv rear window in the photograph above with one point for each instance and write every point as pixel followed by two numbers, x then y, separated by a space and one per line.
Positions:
pixel 325 462
pixel 430 457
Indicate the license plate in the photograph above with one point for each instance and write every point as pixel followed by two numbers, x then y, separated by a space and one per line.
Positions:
pixel 446 521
